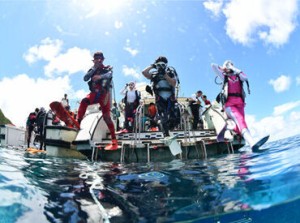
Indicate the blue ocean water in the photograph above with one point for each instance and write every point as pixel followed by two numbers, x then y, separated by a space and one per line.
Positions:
pixel 236 188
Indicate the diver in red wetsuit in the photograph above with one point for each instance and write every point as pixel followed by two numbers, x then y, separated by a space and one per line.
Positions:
pixel 99 80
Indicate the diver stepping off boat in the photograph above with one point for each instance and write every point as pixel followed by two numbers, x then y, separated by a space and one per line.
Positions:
pixel 232 97
pixel 164 79
pixel 99 79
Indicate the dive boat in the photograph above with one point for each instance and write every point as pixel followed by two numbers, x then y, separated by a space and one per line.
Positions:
pixel 144 145
pixel 12 136
pixel 60 136
pixel 58 139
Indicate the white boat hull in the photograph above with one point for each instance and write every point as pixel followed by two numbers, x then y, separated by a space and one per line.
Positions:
pixel 11 136
pixel 60 136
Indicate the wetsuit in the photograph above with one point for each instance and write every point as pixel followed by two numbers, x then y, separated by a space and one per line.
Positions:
pixel 131 100
pixel 235 102
pixel 31 120
pixel 165 100
pixel 195 109
pixel 40 122
pixel 234 106
pixel 100 93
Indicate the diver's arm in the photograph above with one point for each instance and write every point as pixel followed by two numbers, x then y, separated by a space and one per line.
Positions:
pixel 107 75
pixel 98 77
pixel 218 70
pixel 171 81
pixel 89 74
pixel 123 91
pixel 146 72
pixel 243 76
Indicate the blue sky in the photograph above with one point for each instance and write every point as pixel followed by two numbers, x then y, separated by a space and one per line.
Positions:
pixel 47 46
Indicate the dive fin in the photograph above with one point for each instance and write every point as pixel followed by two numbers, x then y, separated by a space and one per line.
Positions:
pixel 220 137
pixel 262 141
pixel 173 145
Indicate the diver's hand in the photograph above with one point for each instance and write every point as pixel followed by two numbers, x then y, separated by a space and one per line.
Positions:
pixel 96 78
pixel 233 69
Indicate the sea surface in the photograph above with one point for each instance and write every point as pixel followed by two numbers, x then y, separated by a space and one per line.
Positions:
pixel 234 188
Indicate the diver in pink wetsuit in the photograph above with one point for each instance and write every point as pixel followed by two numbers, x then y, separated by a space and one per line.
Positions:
pixel 234 100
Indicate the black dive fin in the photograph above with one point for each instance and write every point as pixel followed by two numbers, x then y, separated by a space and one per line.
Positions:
pixel 262 141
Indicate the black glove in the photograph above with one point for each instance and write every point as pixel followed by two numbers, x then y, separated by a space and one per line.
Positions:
pixel 149 90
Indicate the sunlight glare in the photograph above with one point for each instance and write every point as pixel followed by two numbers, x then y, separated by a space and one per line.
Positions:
pixel 108 6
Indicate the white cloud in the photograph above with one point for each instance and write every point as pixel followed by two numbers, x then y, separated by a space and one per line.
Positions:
pixel 129 49
pixel 294 116
pixel 80 94
pixel 73 61
pixel 30 93
pixel 63 32
pixel 214 6
pixel 40 92
pixel 281 84
pixel 269 20
pixel 47 50
pixel 132 52
pixel 281 109
pixel 273 126
pixel 141 85
pixel 131 72
pixel 277 126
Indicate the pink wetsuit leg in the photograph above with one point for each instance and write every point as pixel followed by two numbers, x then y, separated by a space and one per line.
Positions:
pixel 237 114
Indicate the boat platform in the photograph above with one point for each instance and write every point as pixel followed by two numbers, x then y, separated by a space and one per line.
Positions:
pixel 154 149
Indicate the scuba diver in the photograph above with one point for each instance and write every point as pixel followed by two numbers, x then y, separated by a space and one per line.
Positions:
pixel 233 100
pixel 164 79
pixel 30 124
pixel 40 123
pixel 99 77
pixel 151 118
pixel 195 105
pixel 131 101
